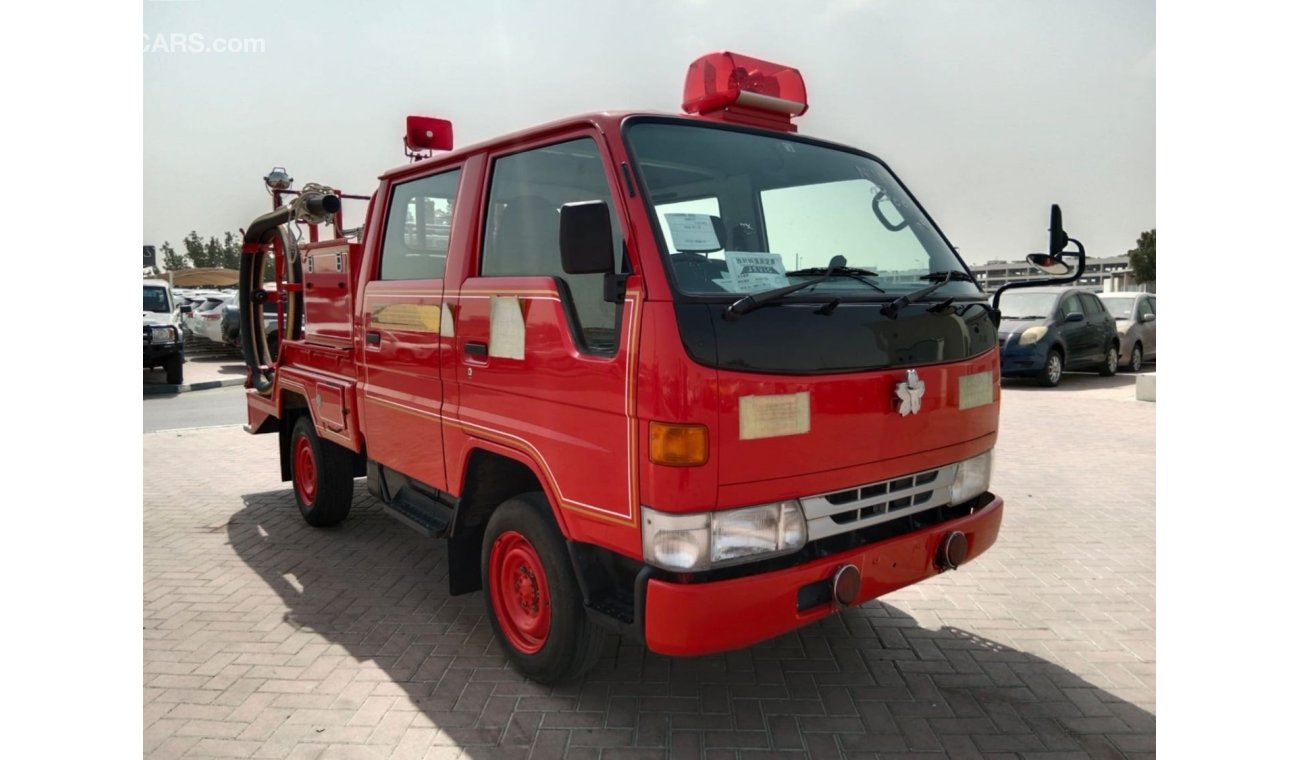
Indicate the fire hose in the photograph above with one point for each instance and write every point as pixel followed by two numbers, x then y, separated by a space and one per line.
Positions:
pixel 315 204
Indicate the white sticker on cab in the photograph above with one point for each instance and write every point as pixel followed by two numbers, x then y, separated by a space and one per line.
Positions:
pixel 975 390
pixel 776 415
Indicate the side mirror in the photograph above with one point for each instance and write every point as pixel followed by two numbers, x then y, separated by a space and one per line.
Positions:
pixel 1074 316
pixel 186 309
pixel 586 238
pixel 1056 237
pixel 1148 317
pixel 1048 264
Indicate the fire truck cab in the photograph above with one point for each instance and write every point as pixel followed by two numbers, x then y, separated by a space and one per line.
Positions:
pixel 694 379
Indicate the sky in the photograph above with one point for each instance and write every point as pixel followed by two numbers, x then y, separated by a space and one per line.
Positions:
pixel 989 111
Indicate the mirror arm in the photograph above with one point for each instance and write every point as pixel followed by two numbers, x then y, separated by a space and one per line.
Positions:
pixel 1078 272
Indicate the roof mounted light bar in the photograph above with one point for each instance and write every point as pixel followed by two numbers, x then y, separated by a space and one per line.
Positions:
pixel 737 88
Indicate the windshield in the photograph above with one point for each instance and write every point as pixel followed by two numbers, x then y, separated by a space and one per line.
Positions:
pixel 155 299
pixel 1119 308
pixel 741 213
pixel 1023 305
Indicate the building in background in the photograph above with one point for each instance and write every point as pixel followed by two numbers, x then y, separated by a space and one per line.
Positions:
pixel 1101 274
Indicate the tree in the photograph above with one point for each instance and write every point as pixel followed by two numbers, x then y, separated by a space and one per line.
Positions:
pixel 195 251
pixel 233 251
pixel 1143 258
pixel 171 260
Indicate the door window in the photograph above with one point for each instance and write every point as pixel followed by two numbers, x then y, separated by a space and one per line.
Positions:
pixel 419 228
pixel 1091 306
pixel 1070 305
pixel 522 230
pixel 1146 306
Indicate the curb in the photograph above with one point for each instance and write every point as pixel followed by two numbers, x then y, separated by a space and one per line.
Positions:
pixel 161 388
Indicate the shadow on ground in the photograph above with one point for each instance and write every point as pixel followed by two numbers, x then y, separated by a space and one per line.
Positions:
pixel 1078 381
pixel 867 683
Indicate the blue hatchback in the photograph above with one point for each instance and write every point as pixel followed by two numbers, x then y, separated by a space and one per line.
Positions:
pixel 1046 331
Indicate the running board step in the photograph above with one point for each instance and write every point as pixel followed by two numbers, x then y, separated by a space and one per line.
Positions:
pixel 430 525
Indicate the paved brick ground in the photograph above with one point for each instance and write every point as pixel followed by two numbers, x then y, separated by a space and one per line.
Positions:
pixel 266 638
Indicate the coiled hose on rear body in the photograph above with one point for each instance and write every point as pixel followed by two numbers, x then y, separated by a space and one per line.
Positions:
pixel 272 228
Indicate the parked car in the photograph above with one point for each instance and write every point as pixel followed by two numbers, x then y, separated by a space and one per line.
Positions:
pixel 1046 331
pixel 164 345
pixel 199 302
pixel 206 320
pixel 270 312
pixel 1135 318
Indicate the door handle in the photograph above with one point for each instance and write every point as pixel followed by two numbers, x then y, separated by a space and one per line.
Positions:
pixel 372 338
pixel 475 348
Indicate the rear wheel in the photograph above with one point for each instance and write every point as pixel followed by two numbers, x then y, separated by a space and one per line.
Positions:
pixel 1110 365
pixel 1135 360
pixel 175 367
pixel 532 595
pixel 322 475
pixel 1050 375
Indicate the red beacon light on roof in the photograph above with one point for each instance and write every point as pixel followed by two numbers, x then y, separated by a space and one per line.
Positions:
pixel 736 88
pixel 425 134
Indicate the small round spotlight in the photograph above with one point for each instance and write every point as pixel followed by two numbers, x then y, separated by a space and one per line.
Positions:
pixel 278 179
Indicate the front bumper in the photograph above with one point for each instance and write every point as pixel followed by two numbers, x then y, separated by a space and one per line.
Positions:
pixel 156 353
pixel 704 618
pixel 1018 360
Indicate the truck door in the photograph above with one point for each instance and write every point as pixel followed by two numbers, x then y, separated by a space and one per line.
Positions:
pixel 543 360
pixel 402 345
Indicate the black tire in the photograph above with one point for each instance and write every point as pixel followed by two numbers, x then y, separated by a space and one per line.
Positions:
pixel 321 472
pixel 1136 358
pixel 571 644
pixel 1050 375
pixel 175 367
pixel 1110 365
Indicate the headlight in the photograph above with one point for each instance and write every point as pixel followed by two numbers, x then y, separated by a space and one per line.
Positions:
pixel 162 334
pixel 1123 329
pixel 1032 335
pixel 703 540
pixel 972 478
pixel 675 542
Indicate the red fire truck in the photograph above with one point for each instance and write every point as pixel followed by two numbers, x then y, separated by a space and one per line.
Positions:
pixel 694 379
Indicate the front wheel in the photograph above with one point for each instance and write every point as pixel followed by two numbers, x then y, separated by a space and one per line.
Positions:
pixel 1135 360
pixel 1050 376
pixel 322 475
pixel 532 595
pixel 175 367
pixel 1111 364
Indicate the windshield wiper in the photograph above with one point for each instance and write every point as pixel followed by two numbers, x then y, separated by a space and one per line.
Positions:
pixel 952 274
pixel 892 308
pixel 755 300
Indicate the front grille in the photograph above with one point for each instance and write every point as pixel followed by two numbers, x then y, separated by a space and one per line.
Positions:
pixel 853 508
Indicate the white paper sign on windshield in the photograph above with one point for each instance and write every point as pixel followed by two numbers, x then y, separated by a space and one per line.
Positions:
pixel 692 232
pixel 754 271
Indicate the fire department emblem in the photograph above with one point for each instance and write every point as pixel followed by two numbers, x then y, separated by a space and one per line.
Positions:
pixel 909 394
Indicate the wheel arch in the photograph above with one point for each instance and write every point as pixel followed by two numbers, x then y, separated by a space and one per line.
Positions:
pixel 489 475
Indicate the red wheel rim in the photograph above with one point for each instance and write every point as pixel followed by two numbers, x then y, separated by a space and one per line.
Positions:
pixel 520 597
pixel 304 471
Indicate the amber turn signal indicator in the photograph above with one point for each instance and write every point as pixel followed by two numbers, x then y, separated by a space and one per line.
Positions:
pixel 678 445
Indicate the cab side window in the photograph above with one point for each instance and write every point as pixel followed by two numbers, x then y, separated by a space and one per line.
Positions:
pixel 1091 306
pixel 419 228
pixel 522 230
pixel 1146 306
pixel 1070 305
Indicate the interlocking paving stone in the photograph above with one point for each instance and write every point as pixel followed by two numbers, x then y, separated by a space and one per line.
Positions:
pixel 266 638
